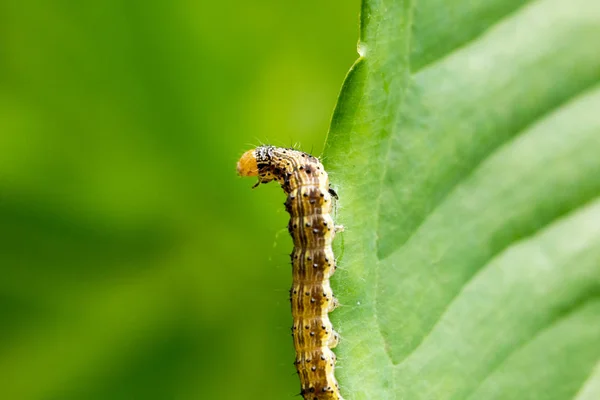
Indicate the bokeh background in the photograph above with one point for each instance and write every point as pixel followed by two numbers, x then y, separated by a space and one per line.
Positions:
pixel 134 263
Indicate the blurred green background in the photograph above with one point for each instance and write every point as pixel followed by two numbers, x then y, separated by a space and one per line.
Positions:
pixel 134 263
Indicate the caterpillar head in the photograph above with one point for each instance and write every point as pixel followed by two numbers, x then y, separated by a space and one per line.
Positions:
pixel 258 162
pixel 247 165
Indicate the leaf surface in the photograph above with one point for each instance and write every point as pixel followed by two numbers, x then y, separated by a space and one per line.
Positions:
pixel 464 147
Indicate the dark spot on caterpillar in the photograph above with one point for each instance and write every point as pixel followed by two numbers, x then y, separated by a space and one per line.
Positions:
pixel 270 163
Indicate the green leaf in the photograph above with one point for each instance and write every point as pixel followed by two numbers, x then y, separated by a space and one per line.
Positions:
pixel 465 148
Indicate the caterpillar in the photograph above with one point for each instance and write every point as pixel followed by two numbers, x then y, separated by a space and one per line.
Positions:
pixel 309 203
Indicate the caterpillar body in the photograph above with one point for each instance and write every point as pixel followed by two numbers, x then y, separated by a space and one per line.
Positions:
pixel 309 203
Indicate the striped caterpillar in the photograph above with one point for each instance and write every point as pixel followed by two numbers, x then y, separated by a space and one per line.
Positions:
pixel 309 203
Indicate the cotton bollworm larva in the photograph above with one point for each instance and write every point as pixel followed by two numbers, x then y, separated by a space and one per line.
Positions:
pixel 309 203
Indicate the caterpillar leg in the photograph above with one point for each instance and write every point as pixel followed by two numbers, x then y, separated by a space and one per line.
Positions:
pixel 334 339
pixel 334 304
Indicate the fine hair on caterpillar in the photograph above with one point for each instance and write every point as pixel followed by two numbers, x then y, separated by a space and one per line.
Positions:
pixel 309 203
